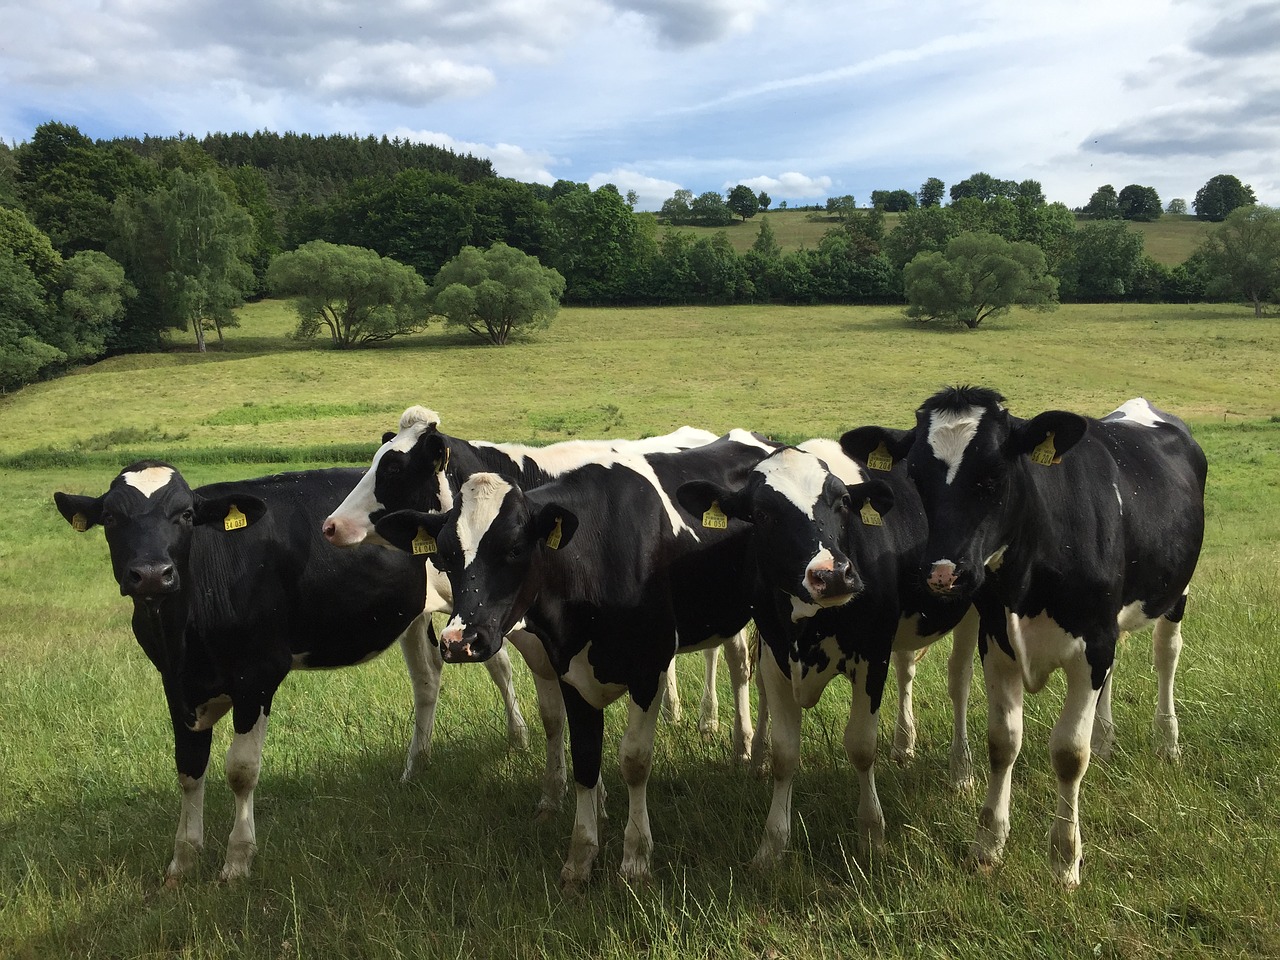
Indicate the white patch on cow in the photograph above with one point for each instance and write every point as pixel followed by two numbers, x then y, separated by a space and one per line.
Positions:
pixel 557 458
pixel 992 562
pixel 582 678
pixel 800 610
pixel 149 479
pixel 1119 499
pixel 482 497
pixel 830 453
pixel 749 439
pixel 797 476
pixel 1137 410
pixel 1041 647
pixel 210 712
pixel 808 684
pixel 1132 617
pixel 950 433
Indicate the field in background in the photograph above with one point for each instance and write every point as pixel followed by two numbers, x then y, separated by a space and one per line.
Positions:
pixel 1169 240
pixel 1181 860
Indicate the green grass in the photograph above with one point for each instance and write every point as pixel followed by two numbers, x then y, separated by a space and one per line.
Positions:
pixel 1169 240
pixel 1182 860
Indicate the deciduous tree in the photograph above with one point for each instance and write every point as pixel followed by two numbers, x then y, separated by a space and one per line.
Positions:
pixel 1139 203
pixel 497 292
pixel 1242 256
pixel 742 200
pixel 978 276
pixel 1220 196
pixel 1104 204
pixel 931 192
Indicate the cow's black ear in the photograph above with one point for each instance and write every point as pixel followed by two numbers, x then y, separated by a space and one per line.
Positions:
pixel 433 449
pixel 877 492
pixel 389 436
pixel 697 496
pixel 556 526
pixel 1047 436
pixel 231 511
pixel 79 511
pixel 403 528
pixel 877 448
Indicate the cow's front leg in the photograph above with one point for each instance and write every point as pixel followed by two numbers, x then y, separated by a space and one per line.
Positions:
pixel 904 729
pixel 737 654
pixel 551 710
pixel 1166 645
pixel 1069 752
pixel 499 667
pixel 784 716
pixel 635 760
pixel 244 761
pixel 1003 681
pixel 586 741
pixel 964 641
pixel 422 658
pixel 860 748
pixel 191 752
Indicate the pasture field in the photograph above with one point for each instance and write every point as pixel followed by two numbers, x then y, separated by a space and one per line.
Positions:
pixel 1181 859
pixel 1169 240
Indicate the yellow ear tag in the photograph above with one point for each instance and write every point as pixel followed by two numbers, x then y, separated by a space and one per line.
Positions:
pixel 1046 454
pixel 443 462
pixel 870 516
pixel 424 543
pixel 235 519
pixel 79 523
pixel 556 534
pixel 715 518
pixel 880 459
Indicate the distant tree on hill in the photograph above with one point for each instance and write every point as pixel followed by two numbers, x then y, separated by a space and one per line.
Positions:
pixel 1242 255
pixel 742 201
pixel 893 201
pixel 984 187
pixel 1220 196
pixel 1139 203
pixel 358 296
pixel 1177 206
pixel 978 276
pixel 496 292
pixel 676 209
pixel 709 210
pixel 1104 204
pixel 763 200
pixel 1105 263
pixel 931 192
pixel 1029 192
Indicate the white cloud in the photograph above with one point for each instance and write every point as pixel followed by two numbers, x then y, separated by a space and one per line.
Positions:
pixel 788 186
pixel 650 191
pixel 508 159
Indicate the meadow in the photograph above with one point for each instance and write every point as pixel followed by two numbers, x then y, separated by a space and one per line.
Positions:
pixel 1181 859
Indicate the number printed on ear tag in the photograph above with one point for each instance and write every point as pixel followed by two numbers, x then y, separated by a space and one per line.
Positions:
pixel 424 543
pixel 1046 454
pixel 79 523
pixel 870 516
pixel 235 519
pixel 880 458
pixel 555 536
pixel 715 518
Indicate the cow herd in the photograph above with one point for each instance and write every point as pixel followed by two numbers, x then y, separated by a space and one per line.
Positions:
pixel 1036 541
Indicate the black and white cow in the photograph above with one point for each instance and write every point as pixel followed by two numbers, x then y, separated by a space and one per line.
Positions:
pixel 613 578
pixel 233 587
pixel 834 554
pixel 1064 531
pixel 421 468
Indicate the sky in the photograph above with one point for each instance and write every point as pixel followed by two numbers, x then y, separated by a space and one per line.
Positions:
pixel 800 99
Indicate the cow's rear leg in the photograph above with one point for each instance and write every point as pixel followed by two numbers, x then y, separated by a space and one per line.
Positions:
pixel 586 741
pixel 244 762
pixel 1003 681
pixel 964 641
pixel 191 749
pixel 784 718
pixel 1103 739
pixel 1069 752
pixel 904 729
pixel 422 658
pixel 671 698
pixel 860 748
pixel 499 667
pixel 737 654
pixel 635 760
pixel 1166 642
pixel 709 707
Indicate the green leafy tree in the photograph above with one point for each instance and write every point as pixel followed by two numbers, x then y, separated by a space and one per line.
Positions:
pixel 1242 256
pixel 1139 203
pixel 925 229
pixel 1177 206
pixel 1220 195
pixel 676 209
pixel 1028 191
pixel 358 296
pixel 93 293
pixel 1105 260
pixel 1051 227
pixel 496 293
pixel 1104 204
pixel 766 244
pixel 979 186
pixel 763 200
pixel 599 246
pixel 978 276
pixel 742 200
pixel 931 192
pixel 709 210
pixel 893 201
pixel 24 311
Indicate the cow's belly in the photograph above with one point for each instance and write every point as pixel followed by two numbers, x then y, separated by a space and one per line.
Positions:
pixel 1133 617
pixel 582 677
pixel 1041 646
pixel 810 675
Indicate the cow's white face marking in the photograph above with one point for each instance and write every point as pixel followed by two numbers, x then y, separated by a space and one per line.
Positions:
pixel 1139 411
pixel 796 476
pixel 950 433
pixel 482 497
pixel 830 453
pixel 148 480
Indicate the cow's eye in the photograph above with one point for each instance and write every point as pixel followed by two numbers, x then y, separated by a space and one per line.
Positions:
pixel 187 516
pixel 516 551
pixel 844 504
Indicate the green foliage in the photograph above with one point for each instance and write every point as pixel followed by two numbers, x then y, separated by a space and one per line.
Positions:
pixel 1139 203
pixel 358 296
pixel 598 245
pixel 1105 259
pixel 929 228
pixel 30 247
pixel 496 293
pixel 893 201
pixel 1220 195
pixel 1177 207
pixel 931 192
pixel 1242 256
pixel 709 210
pixel 91 306
pixel 979 275
pixel 742 200
pixel 1104 204
pixel 24 312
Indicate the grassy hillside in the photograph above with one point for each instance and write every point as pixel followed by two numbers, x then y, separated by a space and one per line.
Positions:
pixel 1170 240
pixel 1182 860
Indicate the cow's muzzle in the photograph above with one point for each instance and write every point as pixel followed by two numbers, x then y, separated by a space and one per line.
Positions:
pixel 833 584
pixel 944 578
pixel 460 643
pixel 154 578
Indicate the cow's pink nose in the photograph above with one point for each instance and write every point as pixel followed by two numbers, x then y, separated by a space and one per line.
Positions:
pixel 942 577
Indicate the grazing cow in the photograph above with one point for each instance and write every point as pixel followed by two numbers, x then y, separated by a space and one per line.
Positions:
pixel 833 557
pixel 421 468
pixel 1064 531
pixel 613 578
pixel 233 587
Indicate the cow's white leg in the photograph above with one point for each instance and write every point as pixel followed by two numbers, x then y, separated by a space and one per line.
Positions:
pixel 860 748
pixel 635 760
pixel 190 838
pixel 671 697
pixel 1166 642
pixel 904 729
pixel 709 708
pixel 760 749
pixel 551 710
pixel 785 719
pixel 1003 681
pixel 244 761
pixel 424 663
pixel 1069 752
pixel 964 641
pixel 737 654
pixel 1103 738
pixel 499 667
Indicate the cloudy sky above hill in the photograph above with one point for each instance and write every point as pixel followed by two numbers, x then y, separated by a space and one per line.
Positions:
pixel 803 99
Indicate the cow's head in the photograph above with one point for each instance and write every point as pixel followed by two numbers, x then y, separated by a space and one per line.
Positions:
pixel 968 457
pixel 148 514
pixel 490 546
pixel 800 513
pixel 407 473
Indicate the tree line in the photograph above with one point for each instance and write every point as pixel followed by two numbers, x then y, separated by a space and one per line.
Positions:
pixel 105 246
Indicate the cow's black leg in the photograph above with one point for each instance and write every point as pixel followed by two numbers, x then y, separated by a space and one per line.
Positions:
pixel 586 741
pixel 191 755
